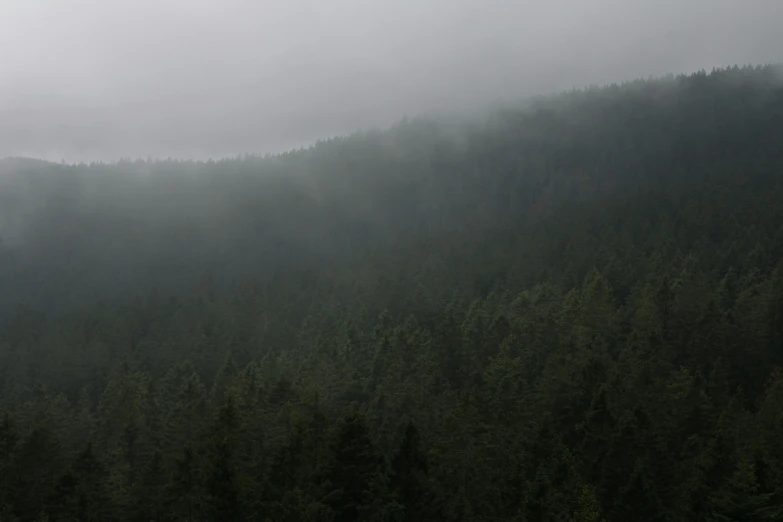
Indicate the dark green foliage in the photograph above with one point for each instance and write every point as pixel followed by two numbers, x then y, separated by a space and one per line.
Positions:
pixel 37 468
pixel 8 474
pixel 81 492
pixel 186 496
pixel 148 495
pixel 570 311
pixel 222 477
pixel 409 477
pixel 588 509
pixel 352 475
pixel 740 499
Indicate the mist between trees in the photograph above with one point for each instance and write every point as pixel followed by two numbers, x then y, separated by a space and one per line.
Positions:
pixel 570 309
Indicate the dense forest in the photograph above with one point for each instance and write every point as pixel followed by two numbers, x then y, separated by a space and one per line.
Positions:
pixel 569 310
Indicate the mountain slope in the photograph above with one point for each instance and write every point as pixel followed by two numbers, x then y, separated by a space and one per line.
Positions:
pixel 573 311
pixel 73 234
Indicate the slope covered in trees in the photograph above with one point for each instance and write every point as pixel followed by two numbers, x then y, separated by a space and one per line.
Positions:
pixel 571 311
pixel 71 235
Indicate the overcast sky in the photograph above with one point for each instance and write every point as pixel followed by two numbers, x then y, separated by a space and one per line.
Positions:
pixel 103 79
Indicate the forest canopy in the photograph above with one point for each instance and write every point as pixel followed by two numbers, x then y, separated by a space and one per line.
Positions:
pixel 568 310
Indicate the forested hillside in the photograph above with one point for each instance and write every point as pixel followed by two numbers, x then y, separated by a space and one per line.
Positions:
pixel 74 234
pixel 571 310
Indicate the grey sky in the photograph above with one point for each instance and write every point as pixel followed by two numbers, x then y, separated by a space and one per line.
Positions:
pixel 102 79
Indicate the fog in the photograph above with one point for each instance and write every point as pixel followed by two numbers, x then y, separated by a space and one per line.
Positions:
pixel 105 79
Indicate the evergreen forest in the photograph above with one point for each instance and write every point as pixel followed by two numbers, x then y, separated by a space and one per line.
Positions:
pixel 569 309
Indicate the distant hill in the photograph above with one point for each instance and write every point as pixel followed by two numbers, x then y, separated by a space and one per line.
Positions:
pixel 76 233
pixel 570 310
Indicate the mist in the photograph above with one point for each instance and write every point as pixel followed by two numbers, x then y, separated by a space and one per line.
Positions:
pixel 435 260
pixel 103 80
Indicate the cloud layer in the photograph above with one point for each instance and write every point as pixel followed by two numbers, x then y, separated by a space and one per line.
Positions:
pixel 103 79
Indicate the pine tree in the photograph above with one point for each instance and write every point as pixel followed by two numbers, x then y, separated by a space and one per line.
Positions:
pixel 184 405
pixel 224 379
pixel 185 492
pixel 740 500
pixel 39 463
pixel 409 471
pixel 222 476
pixel 148 495
pixel 355 467
pixel 588 509
pixel 90 476
pixel 8 446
